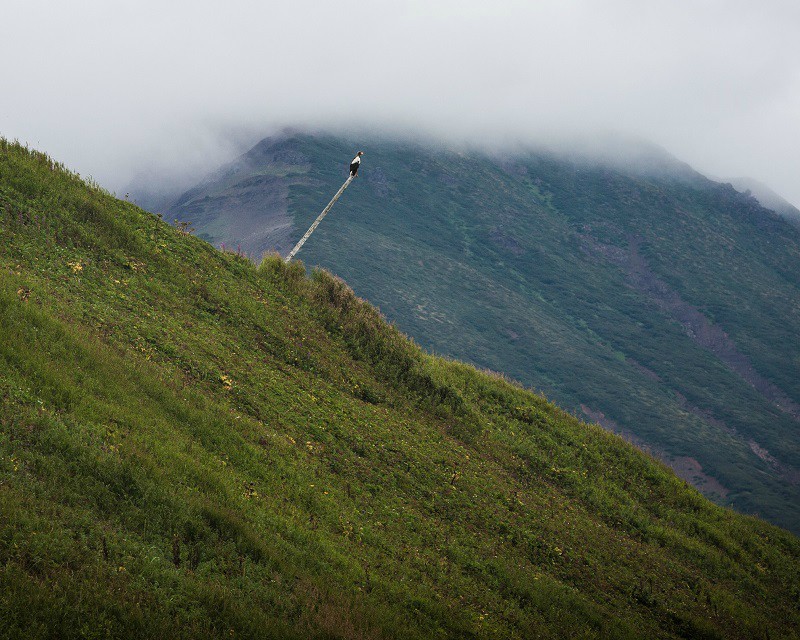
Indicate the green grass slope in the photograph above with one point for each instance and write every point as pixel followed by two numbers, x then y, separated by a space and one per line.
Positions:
pixel 192 446
pixel 663 304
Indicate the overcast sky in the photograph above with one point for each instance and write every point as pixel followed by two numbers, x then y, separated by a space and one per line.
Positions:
pixel 112 88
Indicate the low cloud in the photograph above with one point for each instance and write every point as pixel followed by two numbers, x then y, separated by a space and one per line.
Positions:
pixel 173 89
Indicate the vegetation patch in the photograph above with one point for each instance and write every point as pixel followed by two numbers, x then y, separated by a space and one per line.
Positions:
pixel 193 446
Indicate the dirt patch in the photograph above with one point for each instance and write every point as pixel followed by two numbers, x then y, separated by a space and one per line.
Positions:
pixel 703 414
pixel 505 242
pixel 787 472
pixel 610 425
pixel 647 373
pixel 762 453
pixel 686 468
pixel 691 470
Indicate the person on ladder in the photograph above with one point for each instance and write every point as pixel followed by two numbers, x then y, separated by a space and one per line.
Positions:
pixel 355 164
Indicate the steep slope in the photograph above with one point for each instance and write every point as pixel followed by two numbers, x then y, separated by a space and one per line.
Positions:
pixel 191 446
pixel 767 197
pixel 654 301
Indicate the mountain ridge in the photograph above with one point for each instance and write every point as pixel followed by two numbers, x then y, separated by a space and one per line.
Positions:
pixel 193 446
pixel 767 197
pixel 576 278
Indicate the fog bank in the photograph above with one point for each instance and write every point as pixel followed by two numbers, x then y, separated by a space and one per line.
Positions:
pixel 175 89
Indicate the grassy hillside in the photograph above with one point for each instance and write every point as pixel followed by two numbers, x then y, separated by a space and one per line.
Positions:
pixel 645 296
pixel 192 446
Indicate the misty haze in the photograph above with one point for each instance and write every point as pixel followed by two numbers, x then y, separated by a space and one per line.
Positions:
pixel 187 86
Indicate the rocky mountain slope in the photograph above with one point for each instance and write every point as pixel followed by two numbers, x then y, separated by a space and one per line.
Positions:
pixel 767 197
pixel 631 289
